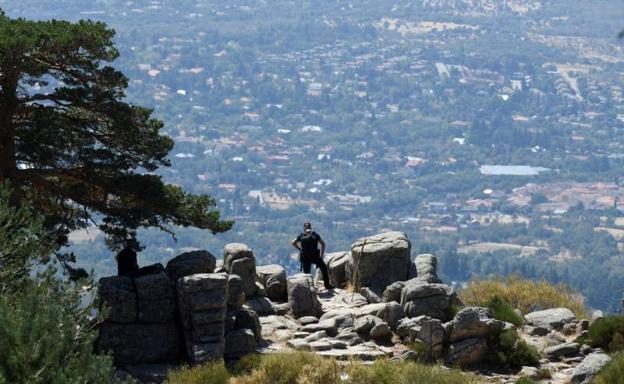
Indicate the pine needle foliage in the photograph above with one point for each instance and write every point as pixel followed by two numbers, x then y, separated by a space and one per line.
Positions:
pixel 46 334
pixel 73 146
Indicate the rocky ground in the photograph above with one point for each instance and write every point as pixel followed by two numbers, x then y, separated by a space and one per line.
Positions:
pixel 200 309
pixel 554 335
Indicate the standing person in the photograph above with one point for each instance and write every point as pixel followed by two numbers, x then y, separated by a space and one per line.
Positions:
pixel 127 264
pixel 307 243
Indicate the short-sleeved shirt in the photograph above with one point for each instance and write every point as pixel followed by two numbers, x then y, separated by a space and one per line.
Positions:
pixel 309 242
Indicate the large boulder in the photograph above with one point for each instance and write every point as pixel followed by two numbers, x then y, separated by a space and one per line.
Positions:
pixel 339 266
pixel 589 367
pixel 426 268
pixel 420 298
pixel 236 295
pixel 371 326
pixel 141 343
pixel 391 313
pixel 554 318
pixel 393 292
pixel 474 322
pixel 302 296
pixel 247 318
pixel 273 279
pixel 190 263
pixel 381 260
pixel 467 352
pixel 238 259
pixel 261 305
pixel 118 296
pixel 561 350
pixel 239 343
pixel 426 329
pixel 202 301
pixel 157 299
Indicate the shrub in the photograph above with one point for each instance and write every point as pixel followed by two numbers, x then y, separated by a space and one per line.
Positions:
pixel 503 311
pixel 208 373
pixel 385 372
pixel 326 371
pixel 247 364
pixel 523 294
pixel 421 349
pixel 613 372
pixel 525 380
pixel 544 373
pixel 308 368
pixel 255 377
pixel 46 335
pixel 508 351
pixel 607 333
pixel 285 368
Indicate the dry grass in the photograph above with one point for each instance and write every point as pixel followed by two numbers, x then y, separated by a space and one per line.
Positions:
pixel 209 373
pixel 385 372
pixel 308 368
pixel 526 295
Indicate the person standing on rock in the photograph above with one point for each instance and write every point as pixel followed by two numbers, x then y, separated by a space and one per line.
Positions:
pixel 307 243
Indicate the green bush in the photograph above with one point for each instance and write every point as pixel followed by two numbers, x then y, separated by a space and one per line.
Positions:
pixel 613 372
pixel 47 338
pixel 421 349
pixel 525 380
pixel 46 335
pixel 607 333
pixel 503 311
pixel 209 373
pixel 508 351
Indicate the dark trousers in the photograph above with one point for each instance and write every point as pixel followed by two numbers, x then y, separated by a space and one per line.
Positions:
pixel 307 262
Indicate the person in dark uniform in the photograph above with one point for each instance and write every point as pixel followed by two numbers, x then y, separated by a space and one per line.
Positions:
pixel 307 243
pixel 127 264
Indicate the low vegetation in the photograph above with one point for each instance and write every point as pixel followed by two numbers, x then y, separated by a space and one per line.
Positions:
pixel 46 331
pixel 501 310
pixel 607 333
pixel 523 294
pixel 308 368
pixel 613 372
pixel 509 351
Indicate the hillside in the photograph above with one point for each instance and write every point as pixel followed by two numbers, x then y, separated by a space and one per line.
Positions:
pixel 470 125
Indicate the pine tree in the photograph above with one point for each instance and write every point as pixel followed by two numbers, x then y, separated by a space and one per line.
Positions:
pixel 72 146
pixel 46 334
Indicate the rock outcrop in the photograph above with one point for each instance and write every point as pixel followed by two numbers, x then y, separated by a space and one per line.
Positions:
pixel 589 367
pixel 381 260
pixel 426 269
pixel 339 267
pixel 203 305
pixel 273 280
pixel 140 327
pixel 421 298
pixel 238 259
pixel 202 309
pixel 549 319
pixel 190 263
pixel 302 296
pixel 470 330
